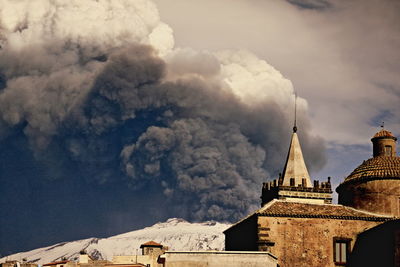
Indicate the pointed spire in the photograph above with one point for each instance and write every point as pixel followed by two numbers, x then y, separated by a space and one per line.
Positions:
pixel 295 168
pixel 295 113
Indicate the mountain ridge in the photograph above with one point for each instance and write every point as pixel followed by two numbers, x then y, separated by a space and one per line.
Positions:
pixel 176 233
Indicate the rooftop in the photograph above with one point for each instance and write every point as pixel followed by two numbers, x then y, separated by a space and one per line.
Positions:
pixel 290 209
pixel 377 167
pixel 281 208
pixel 56 262
pixel 151 244
pixel 383 133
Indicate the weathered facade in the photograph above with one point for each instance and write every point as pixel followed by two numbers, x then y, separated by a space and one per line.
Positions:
pixel 297 222
pixel 14 263
pixel 217 259
pixel 150 252
pixel 300 234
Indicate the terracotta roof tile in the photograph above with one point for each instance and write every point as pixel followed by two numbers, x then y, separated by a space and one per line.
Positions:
pixel 151 244
pixel 56 262
pixel 383 133
pixel 377 167
pixel 280 208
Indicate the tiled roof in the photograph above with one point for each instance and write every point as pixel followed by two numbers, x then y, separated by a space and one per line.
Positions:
pixel 383 133
pixel 377 167
pixel 151 244
pixel 281 208
pixel 56 262
pixel 125 265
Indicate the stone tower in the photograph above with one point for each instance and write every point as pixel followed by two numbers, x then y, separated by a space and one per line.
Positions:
pixel 375 185
pixel 295 183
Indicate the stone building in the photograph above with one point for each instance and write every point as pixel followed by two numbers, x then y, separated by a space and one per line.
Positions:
pixel 217 259
pixel 62 263
pixel 14 263
pixel 298 223
pixel 155 254
pixel 374 185
pixel 150 252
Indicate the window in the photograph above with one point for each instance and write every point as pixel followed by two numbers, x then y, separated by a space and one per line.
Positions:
pixel 388 150
pixel 341 249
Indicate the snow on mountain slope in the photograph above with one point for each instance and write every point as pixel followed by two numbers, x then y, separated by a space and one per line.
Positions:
pixel 177 234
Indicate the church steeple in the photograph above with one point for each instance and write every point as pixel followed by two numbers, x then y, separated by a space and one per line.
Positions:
pixel 295 171
pixel 295 183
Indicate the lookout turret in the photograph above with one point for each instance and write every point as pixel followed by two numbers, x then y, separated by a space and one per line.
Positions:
pixel 384 144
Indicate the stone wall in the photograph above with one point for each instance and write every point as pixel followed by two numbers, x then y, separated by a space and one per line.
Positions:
pixel 130 259
pixel 378 196
pixel 308 241
pixel 219 259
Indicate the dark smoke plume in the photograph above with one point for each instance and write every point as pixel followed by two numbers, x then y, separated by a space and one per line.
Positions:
pixel 120 134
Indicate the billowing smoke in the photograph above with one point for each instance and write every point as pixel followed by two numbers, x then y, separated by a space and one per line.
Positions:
pixel 103 99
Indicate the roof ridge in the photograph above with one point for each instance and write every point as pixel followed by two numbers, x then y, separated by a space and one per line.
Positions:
pixel 368 212
pixel 298 209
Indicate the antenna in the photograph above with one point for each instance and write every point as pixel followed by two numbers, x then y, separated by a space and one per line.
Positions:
pixel 295 113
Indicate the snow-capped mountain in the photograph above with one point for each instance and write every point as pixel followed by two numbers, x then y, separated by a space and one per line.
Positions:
pixel 177 234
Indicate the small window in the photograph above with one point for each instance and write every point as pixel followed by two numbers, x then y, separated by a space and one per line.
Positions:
pixel 341 249
pixel 388 150
pixel 291 181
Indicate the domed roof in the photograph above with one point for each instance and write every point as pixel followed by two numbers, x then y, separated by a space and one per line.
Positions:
pixel 377 167
pixel 383 133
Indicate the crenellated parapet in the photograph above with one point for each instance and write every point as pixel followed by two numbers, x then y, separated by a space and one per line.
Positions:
pixel 320 192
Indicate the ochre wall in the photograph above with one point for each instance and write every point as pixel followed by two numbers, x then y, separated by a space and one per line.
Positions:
pixel 378 196
pixel 218 259
pixel 305 242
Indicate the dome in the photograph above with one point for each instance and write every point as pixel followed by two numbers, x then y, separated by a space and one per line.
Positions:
pixel 378 168
pixel 384 133
pixel 374 186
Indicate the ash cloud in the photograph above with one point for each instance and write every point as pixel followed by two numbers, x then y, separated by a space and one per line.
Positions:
pixel 311 4
pixel 120 124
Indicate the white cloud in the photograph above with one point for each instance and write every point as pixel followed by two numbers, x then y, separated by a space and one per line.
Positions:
pixel 343 59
